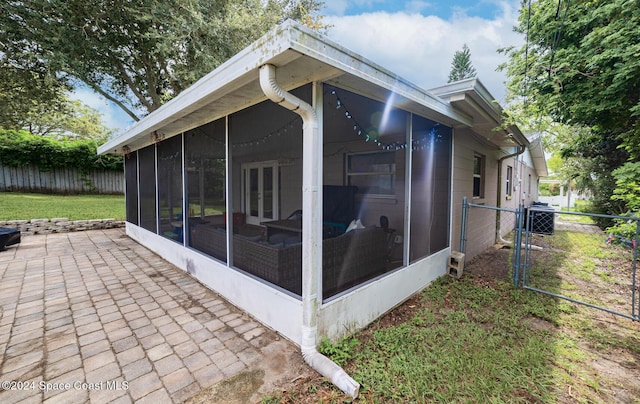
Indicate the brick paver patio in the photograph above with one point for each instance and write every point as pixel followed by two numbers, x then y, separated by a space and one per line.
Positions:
pixel 95 317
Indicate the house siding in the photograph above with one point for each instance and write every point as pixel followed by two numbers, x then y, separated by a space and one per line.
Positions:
pixel 480 227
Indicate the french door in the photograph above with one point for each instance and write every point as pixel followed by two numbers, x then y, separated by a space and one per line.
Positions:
pixel 260 191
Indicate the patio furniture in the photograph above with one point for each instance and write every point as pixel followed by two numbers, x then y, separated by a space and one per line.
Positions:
pixel 347 260
pixel 293 226
pixel 8 236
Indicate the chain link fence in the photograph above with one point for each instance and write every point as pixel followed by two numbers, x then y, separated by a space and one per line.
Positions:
pixel 562 254
pixel 568 255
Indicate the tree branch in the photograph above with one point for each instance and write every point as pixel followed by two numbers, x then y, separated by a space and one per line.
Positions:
pixel 119 103
pixel 132 86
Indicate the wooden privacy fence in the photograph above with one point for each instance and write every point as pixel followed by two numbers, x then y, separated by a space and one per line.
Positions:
pixel 60 180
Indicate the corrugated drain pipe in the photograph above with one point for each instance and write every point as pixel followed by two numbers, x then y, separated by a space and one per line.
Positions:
pixel 499 239
pixel 312 236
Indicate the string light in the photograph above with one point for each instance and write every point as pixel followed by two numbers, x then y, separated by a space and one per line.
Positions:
pixel 277 133
pixel 421 140
pixel 418 143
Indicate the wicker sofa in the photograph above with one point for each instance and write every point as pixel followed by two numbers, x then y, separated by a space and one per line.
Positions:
pixel 346 260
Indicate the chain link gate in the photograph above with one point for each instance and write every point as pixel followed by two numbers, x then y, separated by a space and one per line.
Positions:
pixel 567 256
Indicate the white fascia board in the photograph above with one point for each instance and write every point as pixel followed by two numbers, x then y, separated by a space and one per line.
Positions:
pixel 537 155
pixel 476 95
pixel 471 88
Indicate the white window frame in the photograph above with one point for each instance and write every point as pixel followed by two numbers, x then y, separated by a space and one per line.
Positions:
pixel 391 173
pixel 478 176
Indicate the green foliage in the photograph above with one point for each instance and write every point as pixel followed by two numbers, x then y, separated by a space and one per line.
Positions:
pixel 580 63
pixel 627 190
pixel 27 89
pixel 341 351
pixel 580 67
pixel 138 54
pixel 461 67
pixel 72 120
pixel 549 189
pixel 21 148
pixel 628 185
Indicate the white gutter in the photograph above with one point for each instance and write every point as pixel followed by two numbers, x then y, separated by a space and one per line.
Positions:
pixel 311 232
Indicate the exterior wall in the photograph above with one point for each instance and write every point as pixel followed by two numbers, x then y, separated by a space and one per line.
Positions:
pixel 527 179
pixel 480 227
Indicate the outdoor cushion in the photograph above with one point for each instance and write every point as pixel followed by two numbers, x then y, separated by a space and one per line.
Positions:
pixel 8 236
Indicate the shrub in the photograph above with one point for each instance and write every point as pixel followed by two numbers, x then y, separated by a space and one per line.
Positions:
pixel 20 148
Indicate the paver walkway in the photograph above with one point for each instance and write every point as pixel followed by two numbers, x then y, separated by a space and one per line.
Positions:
pixel 95 317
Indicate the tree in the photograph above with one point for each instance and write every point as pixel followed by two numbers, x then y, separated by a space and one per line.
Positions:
pixel 461 67
pixel 72 120
pixel 139 54
pixel 27 90
pixel 580 67
pixel 33 99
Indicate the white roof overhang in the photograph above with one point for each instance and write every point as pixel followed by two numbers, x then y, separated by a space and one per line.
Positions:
pixel 301 56
pixel 537 154
pixel 471 97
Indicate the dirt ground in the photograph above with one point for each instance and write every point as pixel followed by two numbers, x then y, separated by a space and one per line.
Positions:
pixel 278 372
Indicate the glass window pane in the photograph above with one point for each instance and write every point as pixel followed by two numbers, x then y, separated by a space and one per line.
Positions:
pixel 254 192
pixel 476 187
pixel 477 165
pixel 373 184
pixel 372 173
pixel 267 192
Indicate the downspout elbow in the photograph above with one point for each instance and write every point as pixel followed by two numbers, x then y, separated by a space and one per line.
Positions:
pixel 329 369
pixel 275 93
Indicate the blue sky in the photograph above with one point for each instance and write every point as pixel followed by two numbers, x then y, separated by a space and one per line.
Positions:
pixel 444 9
pixel 415 39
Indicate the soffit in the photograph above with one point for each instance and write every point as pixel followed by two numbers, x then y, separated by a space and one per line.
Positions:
pixel 472 98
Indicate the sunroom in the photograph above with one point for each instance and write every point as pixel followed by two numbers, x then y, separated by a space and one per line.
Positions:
pixel 302 182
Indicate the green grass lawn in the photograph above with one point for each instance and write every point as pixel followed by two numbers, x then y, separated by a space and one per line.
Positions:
pixel 481 340
pixel 26 206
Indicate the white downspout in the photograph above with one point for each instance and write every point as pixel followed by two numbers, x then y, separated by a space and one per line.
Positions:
pixel 499 238
pixel 311 232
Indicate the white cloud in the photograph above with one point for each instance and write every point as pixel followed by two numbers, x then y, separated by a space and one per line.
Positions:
pixel 420 48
